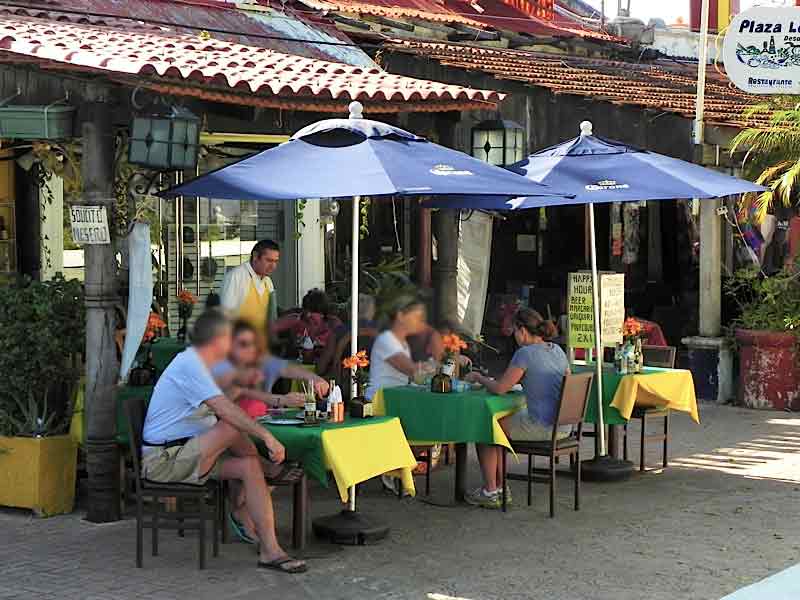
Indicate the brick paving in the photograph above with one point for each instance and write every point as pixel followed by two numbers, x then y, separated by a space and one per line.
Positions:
pixel 720 517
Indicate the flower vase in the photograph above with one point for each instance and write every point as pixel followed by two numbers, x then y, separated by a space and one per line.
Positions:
pixel 145 374
pixel 442 383
pixel 638 356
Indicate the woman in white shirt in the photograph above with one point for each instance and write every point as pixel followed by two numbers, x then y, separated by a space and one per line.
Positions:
pixel 390 363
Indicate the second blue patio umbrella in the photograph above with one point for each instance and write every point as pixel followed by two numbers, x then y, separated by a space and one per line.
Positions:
pixel 592 170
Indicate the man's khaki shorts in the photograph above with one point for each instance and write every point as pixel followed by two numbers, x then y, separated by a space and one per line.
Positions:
pixel 179 464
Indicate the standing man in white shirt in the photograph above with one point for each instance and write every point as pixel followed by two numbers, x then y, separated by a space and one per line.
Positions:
pixel 248 292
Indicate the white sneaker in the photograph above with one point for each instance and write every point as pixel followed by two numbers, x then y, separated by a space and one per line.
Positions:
pixel 480 497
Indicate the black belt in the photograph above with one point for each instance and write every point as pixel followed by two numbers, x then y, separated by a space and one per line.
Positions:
pixel 169 444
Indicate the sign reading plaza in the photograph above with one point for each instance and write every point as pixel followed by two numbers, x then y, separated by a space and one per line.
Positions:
pixel 761 50
pixel 89 225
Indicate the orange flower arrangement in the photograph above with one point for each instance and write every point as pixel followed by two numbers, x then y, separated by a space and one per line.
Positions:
pixel 356 364
pixel 154 327
pixel 357 361
pixel 186 297
pixel 631 328
pixel 453 344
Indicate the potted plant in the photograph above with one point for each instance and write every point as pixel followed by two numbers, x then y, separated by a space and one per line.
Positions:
pixel 767 332
pixel 357 365
pixel 42 333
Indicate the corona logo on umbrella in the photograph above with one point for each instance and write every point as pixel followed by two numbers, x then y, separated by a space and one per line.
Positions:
pixel 449 170
pixel 606 184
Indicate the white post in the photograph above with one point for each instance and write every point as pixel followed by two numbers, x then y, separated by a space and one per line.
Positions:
pixel 355 109
pixel 710 224
pixel 586 129
pixel 600 428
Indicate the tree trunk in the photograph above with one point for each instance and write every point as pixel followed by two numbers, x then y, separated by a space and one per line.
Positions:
pixel 97 171
pixel 445 275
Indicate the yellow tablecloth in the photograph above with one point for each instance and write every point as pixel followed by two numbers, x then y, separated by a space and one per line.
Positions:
pixel 354 451
pixel 673 389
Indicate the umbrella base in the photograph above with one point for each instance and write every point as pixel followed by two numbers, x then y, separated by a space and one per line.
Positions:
pixel 350 528
pixel 606 468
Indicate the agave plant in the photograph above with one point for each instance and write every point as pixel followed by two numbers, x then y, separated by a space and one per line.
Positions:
pixel 772 148
pixel 33 417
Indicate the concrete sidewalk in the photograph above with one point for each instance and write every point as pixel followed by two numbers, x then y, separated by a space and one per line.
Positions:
pixel 720 518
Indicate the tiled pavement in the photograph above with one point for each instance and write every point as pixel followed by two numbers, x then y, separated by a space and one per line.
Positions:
pixel 720 517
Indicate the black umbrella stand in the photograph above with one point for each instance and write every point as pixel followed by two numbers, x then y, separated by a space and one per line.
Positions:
pixel 350 527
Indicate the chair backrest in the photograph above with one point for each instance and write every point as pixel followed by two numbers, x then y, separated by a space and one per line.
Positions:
pixel 659 356
pixel 575 389
pixel 135 411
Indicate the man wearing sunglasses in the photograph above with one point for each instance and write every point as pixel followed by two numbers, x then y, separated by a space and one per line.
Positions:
pixel 194 432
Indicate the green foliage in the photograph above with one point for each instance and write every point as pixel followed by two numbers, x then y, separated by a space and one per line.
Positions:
pixel 773 152
pixel 766 303
pixel 385 281
pixel 42 329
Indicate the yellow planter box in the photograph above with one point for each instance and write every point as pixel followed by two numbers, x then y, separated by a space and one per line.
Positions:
pixel 38 473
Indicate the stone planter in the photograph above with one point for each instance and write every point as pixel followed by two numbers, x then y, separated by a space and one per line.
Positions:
pixel 38 473
pixel 769 376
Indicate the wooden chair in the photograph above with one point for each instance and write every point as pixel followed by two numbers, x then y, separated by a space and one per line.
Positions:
pixel 571 410
pixel 205 499
pixel 654 356
pixel 293 477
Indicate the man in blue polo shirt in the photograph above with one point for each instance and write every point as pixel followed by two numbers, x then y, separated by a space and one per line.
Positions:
pixel 193 432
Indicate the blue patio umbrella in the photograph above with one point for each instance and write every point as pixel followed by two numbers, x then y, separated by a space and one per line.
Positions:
pixel 355 157
pixel 590 170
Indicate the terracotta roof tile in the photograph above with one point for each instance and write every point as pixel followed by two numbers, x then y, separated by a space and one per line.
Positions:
pixel 521 16
pixel 667 87
pixel 225 67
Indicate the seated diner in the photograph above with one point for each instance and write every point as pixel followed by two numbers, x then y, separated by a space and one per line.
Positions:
pixel 248 377
pixel 539 366
pixel 193 432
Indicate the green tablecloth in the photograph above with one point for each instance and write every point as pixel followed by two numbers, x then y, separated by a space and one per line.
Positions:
pixel 304 444
pixel 164 350
pixel 611 379
pixel 455 417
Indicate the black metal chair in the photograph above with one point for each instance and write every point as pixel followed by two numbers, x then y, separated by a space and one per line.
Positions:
pixel 575 390
pixel 654 356
pixel 196 504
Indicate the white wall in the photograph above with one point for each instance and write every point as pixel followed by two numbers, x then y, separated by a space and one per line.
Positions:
pixel 677 42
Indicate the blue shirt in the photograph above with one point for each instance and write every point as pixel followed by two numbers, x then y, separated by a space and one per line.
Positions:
pixel 176 408
pixel 272 369
pixel 545 366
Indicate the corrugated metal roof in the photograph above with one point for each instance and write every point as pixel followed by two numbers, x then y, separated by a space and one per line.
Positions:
pixel 533 17
pixel 187 15
pixel 225 71
pixel 662 87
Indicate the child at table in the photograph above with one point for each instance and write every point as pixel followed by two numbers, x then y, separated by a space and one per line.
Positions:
pixel 248 378
pixel 540 366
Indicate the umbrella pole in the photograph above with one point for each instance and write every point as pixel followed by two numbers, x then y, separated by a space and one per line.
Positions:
pixel 602 467
pixel 354 310
pixel 599 425
pixel 349 526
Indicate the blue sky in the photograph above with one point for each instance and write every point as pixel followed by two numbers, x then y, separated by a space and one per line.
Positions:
pixel 671 10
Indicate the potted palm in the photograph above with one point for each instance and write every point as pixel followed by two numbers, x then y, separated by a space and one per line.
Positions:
pixel 42 335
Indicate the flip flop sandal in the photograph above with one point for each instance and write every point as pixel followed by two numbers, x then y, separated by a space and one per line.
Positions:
pixel 280 564
pixel 239 530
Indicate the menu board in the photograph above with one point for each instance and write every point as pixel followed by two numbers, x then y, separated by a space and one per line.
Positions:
pixel 580 307
pixel 612 307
